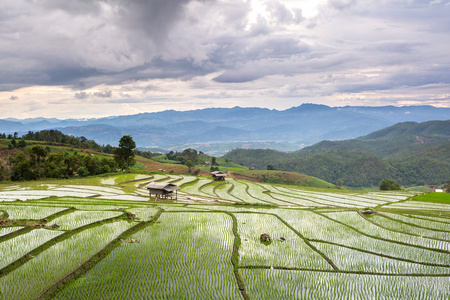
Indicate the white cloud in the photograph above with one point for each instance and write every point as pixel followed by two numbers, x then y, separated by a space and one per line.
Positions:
pixel 154 51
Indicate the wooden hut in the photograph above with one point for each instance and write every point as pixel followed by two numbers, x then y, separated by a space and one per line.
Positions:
pixel 218 175
pixel 163 190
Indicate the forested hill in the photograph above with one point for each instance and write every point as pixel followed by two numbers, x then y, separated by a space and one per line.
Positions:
pixel 432 129
pixel 401 139
pixel 51 154
pixel 410 153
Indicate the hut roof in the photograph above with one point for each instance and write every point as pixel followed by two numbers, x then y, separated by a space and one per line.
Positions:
pixel 166 186
pixel 218 173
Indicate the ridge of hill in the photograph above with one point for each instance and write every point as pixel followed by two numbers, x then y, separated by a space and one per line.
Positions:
pixel 401 139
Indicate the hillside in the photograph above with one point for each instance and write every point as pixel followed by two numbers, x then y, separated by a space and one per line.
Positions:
pixel 411 153
pixel 51 154
pixel 282 177
pixel 399 140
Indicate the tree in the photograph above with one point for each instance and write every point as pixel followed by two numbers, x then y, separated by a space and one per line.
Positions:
pixel 270 167
pixel 447 189
pixel 389 185
pixel 190 154
pixel 108 149
pixel 190 164
pixel 21 144
pixel 124 155
pixel 340 182
pixel 39 152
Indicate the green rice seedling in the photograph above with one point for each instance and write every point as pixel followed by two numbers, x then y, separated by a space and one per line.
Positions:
pixel 358 199
pixel 399 225
pixel 392 196
pixel 222 193
pixel 294 199
pixel 193 189
pixel 80 218
pixel 422 205
pixel 9 187
pixel 289 284
pixel 32 278
pixel 181 207
pixel 437 219
pixel 114 180
pixel 185 256
pixel 260 192
pixel 6 230
pixel 15 248
pixel 317 227
pixel 19 195
pixel 208 189
pixel 96 207
pixel 186 179
pixel 358 261
pixel 287 248
pixel 230 208
pixel 240 191
pixel 143 213
pixel 125 197
pixel 102 190
pixel 311 196
pixel 354 220
pixel 29 212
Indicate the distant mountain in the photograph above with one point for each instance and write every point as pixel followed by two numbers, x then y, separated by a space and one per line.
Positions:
pixel 303 125
pixel 409 152
pixel 11 126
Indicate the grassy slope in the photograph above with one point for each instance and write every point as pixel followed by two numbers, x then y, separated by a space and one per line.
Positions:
pixel 434 197
pixel 282 177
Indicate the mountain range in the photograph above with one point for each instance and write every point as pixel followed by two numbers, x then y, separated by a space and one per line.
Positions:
pixel 299 126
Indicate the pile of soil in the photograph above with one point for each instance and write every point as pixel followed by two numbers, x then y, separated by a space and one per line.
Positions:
pixel 265 238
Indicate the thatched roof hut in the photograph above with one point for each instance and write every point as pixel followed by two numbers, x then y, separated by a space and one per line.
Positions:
pixel 218 175
pixel 163 190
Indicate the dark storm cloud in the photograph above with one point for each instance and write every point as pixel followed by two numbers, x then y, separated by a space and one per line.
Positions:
pixel 71 42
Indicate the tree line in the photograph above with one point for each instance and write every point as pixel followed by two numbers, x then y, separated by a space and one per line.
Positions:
pixel 55 137
pixel 355 168
pixel 37 161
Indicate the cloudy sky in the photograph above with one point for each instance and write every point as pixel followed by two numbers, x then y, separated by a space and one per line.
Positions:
pixel 94 58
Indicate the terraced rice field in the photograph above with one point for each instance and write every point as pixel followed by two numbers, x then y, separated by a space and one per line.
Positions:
pixel 106 238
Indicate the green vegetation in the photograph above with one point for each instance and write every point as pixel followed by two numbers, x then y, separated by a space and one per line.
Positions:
pixel 124 155
pixel 434 197
pixel 112 241
pixel 389 185
pixel 411 153
pixel 281 177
